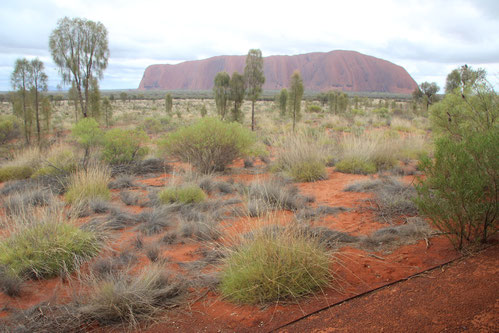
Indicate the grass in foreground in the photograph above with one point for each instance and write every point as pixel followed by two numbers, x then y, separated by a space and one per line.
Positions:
pixel 44 244
pixel 275 265
pixel 89 184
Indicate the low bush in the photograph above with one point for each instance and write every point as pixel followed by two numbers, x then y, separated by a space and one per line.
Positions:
pixel 44 244
pixel 210 144
pixel 357 166
pixel 9 128
pixel 460 191
pixel 308 171
pixel 59 160
pixel 185 194
pixel 11 172
pixel 89 184
pixel 274 266
pixel 124 146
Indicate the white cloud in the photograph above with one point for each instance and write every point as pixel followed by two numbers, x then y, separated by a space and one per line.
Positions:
pixel 429 38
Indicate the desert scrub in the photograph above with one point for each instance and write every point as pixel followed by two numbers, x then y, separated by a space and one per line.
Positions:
pixel 124 146
pixel 59 159
pixel 85 185
pixel 9 128
pixel 44 244
pixel 122 298
pixel 302 156
pixel 356 166
pixel 210 144
pixel 184 194
pixel 273 265
pixel 22 166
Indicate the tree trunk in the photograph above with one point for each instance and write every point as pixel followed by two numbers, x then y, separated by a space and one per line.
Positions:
pixel 37 115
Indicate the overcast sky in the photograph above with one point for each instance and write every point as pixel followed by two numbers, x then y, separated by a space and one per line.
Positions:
pixel 428 38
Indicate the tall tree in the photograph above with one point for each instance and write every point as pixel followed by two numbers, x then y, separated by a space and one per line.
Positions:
pixel 254 79
pixel 21 80
pixel 237 91
pixel 295 95
pixel 464 78
pixel 38 83
pixel 221 90
pixel 429 92
pixel 168 103
pixel 283 101
pixel 80 48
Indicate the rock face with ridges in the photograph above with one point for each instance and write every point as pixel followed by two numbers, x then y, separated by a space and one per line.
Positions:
pixel 339 70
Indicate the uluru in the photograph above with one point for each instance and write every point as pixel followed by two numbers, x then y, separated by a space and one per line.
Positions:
pixel 321 71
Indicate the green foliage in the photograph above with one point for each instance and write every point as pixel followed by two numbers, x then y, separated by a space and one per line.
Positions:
pixel 283 101
pixel 254 79
pixel 155 125
pixel 87 133
pixel 107 109
pixel 221 91
pixel 185 194
pixel 296 90
pixel 47 248
pixel 94 99
pixel 9 128
pixel 314 108
pixel 382 112
pixel 168 104
pixel 124 146
pixel 308 171
pixel 356 165
pixel 338 101
pixel 275 265
pixel 237 91
pixel 84 58
pixel 11 172
pixel 58 161
pixel 210 144
pixel 460 192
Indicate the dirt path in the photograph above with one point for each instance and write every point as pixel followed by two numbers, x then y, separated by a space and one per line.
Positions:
pixel 459 297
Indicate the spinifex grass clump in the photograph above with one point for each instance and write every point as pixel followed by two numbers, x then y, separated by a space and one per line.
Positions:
pixel 123 298
pixel 89 184
pixel 302 157
pixel 275 264
pixel 185 194
pixel 44 244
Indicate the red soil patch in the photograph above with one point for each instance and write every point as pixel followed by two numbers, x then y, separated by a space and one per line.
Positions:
pixel 355 271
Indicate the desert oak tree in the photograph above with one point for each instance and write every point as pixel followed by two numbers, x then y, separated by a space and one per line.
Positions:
pixel 295 95
pixel 79 47
pixel 254 79
pixel 221 90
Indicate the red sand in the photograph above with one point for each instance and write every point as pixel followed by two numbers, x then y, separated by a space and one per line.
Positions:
pixel 355 272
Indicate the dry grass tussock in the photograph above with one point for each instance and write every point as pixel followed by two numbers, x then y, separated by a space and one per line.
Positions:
pixel 89 184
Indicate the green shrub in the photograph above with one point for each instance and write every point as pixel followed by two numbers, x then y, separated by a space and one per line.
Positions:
pixel 124 146
pixel 11 172
pixel 308 171
pixel 273 265
pixel 210 144
pixel 185 194
pixel 355 165
pixel 155 125
pixel 47 246
pixel 9 128
pixel 88 185
pixel 314 108
pixel 459 193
